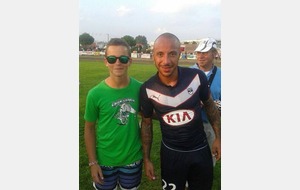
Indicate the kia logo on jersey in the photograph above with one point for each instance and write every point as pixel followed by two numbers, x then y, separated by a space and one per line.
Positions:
pixel 178 117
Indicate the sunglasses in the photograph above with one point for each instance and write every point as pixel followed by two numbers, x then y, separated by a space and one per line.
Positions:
pixel 112 59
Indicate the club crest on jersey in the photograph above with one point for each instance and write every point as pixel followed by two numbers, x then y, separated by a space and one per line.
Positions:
pixel 179 117
pixel 190 90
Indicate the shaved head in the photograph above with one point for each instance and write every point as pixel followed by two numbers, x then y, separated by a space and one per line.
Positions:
pixel 167 36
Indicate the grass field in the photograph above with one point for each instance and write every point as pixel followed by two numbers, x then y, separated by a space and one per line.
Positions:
pixel 91 71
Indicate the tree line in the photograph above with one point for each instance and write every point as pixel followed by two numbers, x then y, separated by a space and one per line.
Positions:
pixel 138 44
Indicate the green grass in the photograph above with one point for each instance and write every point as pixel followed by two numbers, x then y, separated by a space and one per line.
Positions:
pixel 91 72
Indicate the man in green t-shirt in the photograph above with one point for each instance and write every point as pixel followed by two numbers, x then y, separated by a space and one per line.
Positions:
pixel 112 132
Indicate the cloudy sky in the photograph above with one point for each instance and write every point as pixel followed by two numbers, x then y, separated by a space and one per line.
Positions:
pixel 189 19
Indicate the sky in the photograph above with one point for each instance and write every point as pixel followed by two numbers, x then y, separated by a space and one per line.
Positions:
pixel 188 20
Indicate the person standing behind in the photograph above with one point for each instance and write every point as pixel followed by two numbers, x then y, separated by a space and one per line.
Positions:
pixel 206 53
pixel 174 93
pixel 112 132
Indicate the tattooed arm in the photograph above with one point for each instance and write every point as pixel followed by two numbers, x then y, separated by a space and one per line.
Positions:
pixel 214 117
pixel 147 136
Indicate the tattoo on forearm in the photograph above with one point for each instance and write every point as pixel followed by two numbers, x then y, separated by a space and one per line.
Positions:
pixel 213 115
pixel 147 136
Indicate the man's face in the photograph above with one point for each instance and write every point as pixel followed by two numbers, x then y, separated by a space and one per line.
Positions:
pixel 205 58
pixel 166 56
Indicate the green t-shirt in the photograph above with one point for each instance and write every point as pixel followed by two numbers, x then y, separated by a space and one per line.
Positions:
pixel 118 141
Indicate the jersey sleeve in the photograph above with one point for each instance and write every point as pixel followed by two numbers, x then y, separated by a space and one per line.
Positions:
pixel 204 91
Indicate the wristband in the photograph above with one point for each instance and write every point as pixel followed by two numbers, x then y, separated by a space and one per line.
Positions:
pixel 93 163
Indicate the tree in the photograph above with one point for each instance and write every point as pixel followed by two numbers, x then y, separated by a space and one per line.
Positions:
pixel 143 41
pixel 85 40
pixel 130 40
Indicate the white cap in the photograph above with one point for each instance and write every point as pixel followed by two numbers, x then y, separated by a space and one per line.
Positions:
pixel 206 44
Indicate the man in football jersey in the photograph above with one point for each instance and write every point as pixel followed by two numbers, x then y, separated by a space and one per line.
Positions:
pixel 112 132
pixel 175 94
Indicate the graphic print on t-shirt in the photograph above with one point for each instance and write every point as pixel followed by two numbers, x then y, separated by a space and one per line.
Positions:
pixel 125 109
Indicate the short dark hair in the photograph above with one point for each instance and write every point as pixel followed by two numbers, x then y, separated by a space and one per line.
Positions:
pixel 118 42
